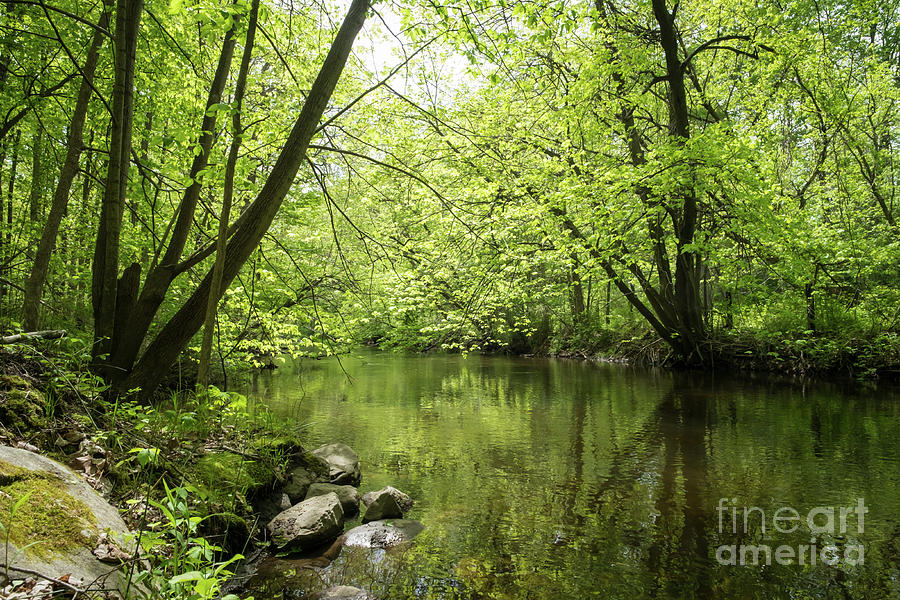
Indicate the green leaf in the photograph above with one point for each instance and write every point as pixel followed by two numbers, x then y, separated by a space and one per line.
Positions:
pixel 185 577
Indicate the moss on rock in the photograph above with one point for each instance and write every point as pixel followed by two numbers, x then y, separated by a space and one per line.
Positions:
pixel 226 473
pixel 279 446
pixel 21 405
pixel 11 473
pixel 49 516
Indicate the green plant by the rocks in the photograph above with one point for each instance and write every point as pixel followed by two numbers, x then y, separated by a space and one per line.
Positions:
pixel 6 531
pixel 184 564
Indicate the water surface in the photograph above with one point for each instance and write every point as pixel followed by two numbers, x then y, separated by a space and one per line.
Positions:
pixel 560 479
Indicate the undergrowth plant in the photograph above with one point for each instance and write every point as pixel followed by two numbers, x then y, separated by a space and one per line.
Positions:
pixel 6 530
pixel 181 563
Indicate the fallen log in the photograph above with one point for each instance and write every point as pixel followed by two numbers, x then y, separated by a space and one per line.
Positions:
pixel 50 334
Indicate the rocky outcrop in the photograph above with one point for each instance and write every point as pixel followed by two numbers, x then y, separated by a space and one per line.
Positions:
pixel 403 501
pixel 348 495
pixel 343 463
pixel 383 534
pixel 308 524
pixel 63 526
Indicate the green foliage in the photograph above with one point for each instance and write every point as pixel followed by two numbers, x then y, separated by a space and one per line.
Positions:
pixel 183 563
pixel 435 212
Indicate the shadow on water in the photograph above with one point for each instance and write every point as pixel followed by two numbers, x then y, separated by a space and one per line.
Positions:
pixel 553 479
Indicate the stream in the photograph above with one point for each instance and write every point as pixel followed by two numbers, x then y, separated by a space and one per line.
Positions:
pixel 542 478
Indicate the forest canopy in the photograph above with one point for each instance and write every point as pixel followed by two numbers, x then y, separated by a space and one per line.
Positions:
pixel 695 182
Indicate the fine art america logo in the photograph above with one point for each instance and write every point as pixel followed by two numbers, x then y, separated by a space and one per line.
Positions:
pixel 818 521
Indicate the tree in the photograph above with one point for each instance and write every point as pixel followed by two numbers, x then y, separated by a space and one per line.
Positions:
pixel 74 147
pixel 253 223
pixel 227 198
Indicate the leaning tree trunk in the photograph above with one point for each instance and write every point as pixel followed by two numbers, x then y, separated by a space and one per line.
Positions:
pixel 75 143
pixel 106 252
pixel 163 270
pixel 175 335
pixel 227 197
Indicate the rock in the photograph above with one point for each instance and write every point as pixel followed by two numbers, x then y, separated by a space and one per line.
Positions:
pixel 343 592
pixel 308 524
pixel 383 534
pixel 347 494
pixel 230 531
pixel 269 506
pixel 73 436
pixel 69 521
pixel 311 469
pixel 21 405
pixel 403 501
pixel 384 506
pixel 299 480
pixel 343 463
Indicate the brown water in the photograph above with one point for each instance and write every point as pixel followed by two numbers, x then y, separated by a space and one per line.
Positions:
pixel 559 479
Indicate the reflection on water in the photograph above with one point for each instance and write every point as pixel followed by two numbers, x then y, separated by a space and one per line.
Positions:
pixel 557 479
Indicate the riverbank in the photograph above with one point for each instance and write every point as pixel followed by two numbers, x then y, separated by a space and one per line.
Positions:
pixel 193 477
pixel 856 357
pixel 858 353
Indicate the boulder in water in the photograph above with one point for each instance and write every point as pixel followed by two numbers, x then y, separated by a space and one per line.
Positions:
pixel 343 463
pixel 343 592
pixel 347 494
pixel 383 534
pixel 383 506
pixel 403 501
pixel 311 469
pixel 298 482
pixel 309 523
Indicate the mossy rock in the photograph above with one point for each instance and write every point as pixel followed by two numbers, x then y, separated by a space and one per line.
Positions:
pixel 226 474
pixel 22 408
pixel 49 516
pixel 277 447
pixel 58 518
pixel 313 464
pixel 13 382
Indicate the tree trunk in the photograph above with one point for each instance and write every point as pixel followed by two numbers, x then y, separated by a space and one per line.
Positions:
pixel 106 252
pixel 254 223
pixel 10 190
pixel 674 305
pixel 74 146
pixel 162 273
pixel 688 299
pixel 87 207
pixel 606 309
pixel 577 292
pixel 227 197
pixel 809 296
pixel 37 175
pixel 3 149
